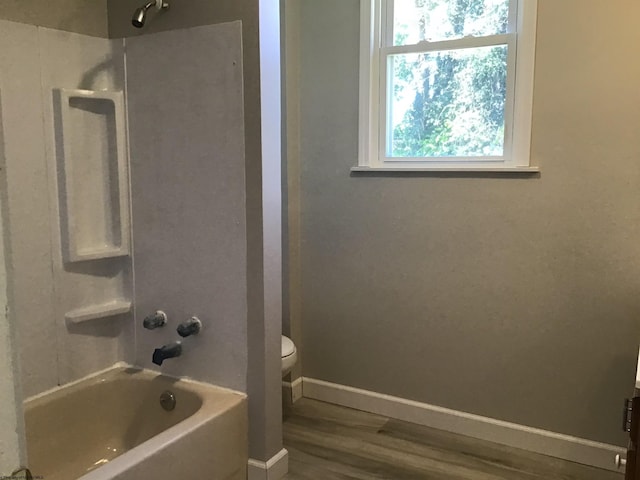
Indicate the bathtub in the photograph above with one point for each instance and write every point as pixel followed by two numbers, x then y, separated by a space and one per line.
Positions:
pixel 112 426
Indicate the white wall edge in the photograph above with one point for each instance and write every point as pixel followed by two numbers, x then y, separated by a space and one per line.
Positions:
pixel 273 469
pixel 293 389
pixel 544 442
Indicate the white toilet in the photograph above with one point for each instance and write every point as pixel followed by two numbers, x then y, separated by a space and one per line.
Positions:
pixel 289 355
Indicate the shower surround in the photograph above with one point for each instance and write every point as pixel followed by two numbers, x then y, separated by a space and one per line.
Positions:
pixel 239 256
pixel 187 190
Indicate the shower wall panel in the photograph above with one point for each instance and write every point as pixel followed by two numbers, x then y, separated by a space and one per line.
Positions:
pixel 97 290
pixel 185 91
pixel 29 240
pixel 44 288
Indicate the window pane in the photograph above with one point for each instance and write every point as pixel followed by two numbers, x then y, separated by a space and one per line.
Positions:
pixel 433 20
pixel 448 103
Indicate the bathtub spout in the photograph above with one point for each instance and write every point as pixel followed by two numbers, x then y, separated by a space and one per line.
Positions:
pixel 171 350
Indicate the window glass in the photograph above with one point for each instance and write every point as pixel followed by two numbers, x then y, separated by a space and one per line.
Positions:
pixel 447 103
pixel 434 20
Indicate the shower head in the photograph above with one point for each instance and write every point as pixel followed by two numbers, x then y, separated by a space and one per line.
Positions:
pixel 140 15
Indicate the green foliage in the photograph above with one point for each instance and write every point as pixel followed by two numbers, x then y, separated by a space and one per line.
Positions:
pixel 458 97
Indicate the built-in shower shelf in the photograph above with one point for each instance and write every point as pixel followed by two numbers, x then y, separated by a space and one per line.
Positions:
pixel 94 312
pixel 92 174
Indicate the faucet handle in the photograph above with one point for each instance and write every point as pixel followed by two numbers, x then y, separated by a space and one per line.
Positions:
pixel 155 320
pixel 190 327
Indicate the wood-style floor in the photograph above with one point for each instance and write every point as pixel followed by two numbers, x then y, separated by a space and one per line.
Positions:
pixel 328 442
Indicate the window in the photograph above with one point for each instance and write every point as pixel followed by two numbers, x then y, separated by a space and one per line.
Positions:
pixel 446 84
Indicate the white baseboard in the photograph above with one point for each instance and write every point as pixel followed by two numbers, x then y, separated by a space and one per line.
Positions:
pixel 553 444
pixel 273 469
pixel 293 389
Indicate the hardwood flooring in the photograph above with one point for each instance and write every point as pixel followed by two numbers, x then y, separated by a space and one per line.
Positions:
pixel 328 442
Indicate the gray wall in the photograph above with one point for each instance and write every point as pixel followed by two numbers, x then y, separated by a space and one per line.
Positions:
pixel 12 451
pixel 188 197
pixel 513 298
pixel 80 16
pixel 28 220
pixel 291 317
pixel 265 343
pixel 12 440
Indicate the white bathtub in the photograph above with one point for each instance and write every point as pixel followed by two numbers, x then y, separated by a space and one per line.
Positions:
pixel 112 426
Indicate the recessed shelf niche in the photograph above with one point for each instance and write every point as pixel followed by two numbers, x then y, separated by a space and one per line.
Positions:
pixel 92 174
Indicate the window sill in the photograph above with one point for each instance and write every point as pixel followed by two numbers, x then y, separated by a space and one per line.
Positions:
pixel 462 169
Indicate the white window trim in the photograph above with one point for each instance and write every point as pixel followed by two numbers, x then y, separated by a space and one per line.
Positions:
pixel 518 143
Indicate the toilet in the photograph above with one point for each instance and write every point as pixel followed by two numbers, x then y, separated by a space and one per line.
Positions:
pixel 289 355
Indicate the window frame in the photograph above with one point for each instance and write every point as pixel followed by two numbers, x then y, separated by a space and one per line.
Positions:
pixel 375 49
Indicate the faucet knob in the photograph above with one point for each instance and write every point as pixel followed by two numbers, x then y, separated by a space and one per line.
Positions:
pixel 155 320
pixel 190 327
pixel 171 350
